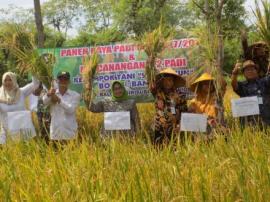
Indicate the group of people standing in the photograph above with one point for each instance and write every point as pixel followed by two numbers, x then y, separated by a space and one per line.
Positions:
pixel 57 106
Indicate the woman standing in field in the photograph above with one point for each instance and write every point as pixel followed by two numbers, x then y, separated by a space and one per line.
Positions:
pixel 118 102
pixel 168 103
pixel 12 99
pixel 206 100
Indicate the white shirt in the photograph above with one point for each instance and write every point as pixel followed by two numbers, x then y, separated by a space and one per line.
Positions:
pixel 63 116
pixel 19 106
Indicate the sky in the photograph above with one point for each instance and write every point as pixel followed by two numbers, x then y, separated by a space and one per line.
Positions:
pixel 29 3
pixel 19 3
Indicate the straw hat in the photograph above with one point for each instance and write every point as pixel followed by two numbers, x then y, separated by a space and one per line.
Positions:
pixel 203 77
pixel 178 82
pixel 249 63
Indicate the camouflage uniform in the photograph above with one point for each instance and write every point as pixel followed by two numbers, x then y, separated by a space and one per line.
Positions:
pixel 168 112
pixel 108 105
pixel 44 117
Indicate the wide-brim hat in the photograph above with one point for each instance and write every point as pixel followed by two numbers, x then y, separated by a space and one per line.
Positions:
pixel 249 63
pixel 203 77
pixel 178 80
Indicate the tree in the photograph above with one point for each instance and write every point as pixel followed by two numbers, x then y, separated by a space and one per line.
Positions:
pixel 39 24
pixel 61 14
pixel 139 16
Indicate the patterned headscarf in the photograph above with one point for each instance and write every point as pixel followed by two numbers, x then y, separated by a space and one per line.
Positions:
pixel 13 95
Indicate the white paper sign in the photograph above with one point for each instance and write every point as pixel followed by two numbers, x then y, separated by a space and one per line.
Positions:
pixel 117 120
pixel 20 121
pixel 245 106
pixel 193 122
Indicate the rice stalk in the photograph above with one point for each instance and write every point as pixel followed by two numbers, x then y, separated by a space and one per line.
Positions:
pixel 90 64
pixel 21 44
pixel 263 20
pixel 153 43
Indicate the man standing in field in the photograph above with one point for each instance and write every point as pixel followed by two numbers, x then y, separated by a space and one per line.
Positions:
pixel 63 103
pixel 253 86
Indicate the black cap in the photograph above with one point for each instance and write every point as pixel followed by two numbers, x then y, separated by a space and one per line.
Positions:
pixel 63 74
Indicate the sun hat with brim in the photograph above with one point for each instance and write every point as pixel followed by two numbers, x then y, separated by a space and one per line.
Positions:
pixel 203 77
pixel 249 63
pixel 178 82
pixel 63 74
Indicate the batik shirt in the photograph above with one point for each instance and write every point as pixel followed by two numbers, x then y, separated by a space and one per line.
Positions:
pixel 43 114
pixel 168 111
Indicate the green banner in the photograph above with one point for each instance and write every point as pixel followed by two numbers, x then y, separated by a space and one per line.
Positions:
pixel 124 62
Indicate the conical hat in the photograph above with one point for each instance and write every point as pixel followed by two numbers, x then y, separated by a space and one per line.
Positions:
pixel 179 81
pixel 203 77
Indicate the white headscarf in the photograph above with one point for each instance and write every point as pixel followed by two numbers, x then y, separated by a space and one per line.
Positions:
pixel 11 96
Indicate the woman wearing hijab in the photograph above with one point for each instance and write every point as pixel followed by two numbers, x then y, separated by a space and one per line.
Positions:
pixel 12 99
pixel 119 102
pixel 168 103
pixel 206 100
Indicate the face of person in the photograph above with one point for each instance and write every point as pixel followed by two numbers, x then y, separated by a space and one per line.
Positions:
pixel 63 82
pixel 168 82
pixel 118 91
pixel 8 83
pixel 206 86
pixel 250 73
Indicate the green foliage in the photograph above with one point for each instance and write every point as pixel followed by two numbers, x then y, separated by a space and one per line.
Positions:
pixel 21 44
pixel 137 17
pixel 263 20
pixel 107 36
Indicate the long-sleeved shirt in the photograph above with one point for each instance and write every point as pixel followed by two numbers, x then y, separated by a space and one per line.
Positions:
pixel 63 115
pixel 19 106
pixel 259 87
pixel 109 105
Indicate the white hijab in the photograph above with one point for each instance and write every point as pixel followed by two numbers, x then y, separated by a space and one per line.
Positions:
pixel 11 96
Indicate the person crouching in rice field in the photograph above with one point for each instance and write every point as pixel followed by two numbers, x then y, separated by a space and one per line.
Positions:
pixel 63 103
pixel 12 99
pixel 168 104
pixel 207 102
pixel 118 102
pixel 43 113
pixel 253 86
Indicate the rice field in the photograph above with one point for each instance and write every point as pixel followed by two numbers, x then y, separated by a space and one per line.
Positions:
pixel 88 169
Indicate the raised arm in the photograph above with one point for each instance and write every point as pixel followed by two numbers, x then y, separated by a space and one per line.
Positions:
pixel 31 87
pixel 235 73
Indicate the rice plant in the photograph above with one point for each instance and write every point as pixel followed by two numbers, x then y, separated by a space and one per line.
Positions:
pixel 90 64
pixel 153 43
pixel 21 44
pixel 263 20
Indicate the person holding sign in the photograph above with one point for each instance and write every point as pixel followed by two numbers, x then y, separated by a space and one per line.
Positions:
pixel 168 103
pixel 12 106
pixel 121 114
pixel 253 86
pixel 63 103
pixel 206 100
